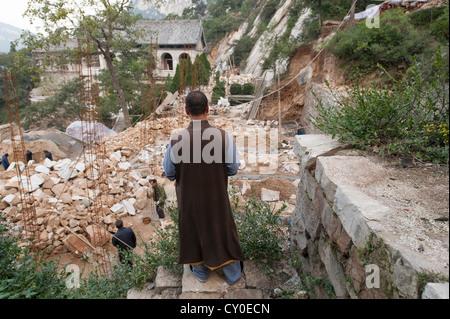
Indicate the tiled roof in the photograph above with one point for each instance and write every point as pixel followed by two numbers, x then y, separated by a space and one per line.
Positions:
pixel 173 32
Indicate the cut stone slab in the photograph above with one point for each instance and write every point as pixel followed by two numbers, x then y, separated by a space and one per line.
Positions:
pixel 124 166
pixel 245 294
pixel 308 147
pixel 128 206
pixel 76 245
pixel 215 284
pixel 147 292
pixel 98 236
pixel 42 169
pixel 358 213
pixel 200 295
pixel 165 279
pixel 270 195
pixel 436 291
pixel 117 208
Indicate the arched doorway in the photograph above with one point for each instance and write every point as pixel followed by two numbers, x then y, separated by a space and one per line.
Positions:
pixel 184 56
pixel 167 61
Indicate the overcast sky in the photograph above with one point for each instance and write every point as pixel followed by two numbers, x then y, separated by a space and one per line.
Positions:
pixel 11 12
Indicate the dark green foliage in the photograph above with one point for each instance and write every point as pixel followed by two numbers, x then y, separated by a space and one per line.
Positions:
pixel 66 101
pixel 21 63
pixel 192 74
pixel 393 44
pixel 130 70
pixel 242 49
pixel 235 89
pixel 248 89
pixel 440 27
pixel 218 91
pixel 24 274
pixel 259 229
pixel 408 116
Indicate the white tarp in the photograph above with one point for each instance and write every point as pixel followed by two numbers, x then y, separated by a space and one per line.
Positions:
pixel 89 131
pixel 368 13
pixel 372 10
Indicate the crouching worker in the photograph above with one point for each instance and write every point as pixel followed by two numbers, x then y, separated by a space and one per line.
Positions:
pixel 125 241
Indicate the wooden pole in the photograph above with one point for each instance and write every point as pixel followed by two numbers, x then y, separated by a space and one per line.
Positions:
pixel 279 106
pixel 353 10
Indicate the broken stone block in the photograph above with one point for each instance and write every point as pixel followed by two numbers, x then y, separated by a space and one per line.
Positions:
pixel 165 279
pixel 77 245
pixel 128 206
pixel 11 199
pixel 269 195
pixel 436 291
pixel 66 198
pixel 117 208
pixel 97 235
pixel 42 169
pixel 124 166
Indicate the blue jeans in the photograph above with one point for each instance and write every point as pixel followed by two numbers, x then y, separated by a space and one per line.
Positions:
pixel 232 272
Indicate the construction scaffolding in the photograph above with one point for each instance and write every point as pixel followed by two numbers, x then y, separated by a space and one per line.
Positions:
pixel 93 150
pixel 149 101
pixel 28 208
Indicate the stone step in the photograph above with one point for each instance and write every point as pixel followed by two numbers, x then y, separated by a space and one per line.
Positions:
pixel 215 288
pixel 252 285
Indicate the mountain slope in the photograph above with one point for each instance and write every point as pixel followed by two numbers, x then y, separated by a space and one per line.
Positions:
pixel 150 11
pixel 8 33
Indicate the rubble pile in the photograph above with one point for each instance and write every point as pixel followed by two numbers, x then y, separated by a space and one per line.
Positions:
pixel 64 189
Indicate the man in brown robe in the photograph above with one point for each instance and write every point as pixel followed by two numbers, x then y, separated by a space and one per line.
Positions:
pixel 200 159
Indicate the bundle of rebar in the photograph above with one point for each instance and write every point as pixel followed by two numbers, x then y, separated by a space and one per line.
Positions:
pixel 31 229
pixel 93 149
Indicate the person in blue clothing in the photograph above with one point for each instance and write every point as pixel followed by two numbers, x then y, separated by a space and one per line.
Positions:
pixel 48 155
pixel 5 162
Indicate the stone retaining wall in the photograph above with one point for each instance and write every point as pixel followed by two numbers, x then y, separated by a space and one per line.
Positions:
pixel 337 231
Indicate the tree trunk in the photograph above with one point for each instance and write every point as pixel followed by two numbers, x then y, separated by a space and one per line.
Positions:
pixel 320 14
pixel 118 89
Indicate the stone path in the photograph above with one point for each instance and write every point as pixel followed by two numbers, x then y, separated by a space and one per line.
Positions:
pixel 252 285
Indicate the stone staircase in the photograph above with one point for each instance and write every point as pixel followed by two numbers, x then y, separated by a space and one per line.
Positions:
pixel 252 285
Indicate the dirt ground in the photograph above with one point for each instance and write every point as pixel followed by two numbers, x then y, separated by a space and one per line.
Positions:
pixel 144 233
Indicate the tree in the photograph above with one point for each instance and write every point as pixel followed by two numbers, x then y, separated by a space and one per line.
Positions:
pixel 109 24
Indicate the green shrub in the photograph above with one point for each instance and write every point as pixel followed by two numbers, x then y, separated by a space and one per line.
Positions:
pixel 248 89
pixel 440 27
pixel 394 43
pixel 242 49
pixel 218 91
pixel 408 116
pixel 235 89
pixel 25 274
pixel 259 229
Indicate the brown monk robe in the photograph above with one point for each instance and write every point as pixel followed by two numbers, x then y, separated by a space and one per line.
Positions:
pixel 207 230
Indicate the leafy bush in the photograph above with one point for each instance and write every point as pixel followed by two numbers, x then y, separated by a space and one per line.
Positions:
pixel 248 89
pixel 259 229
pixel 408 116
pixel 23 273
pixel 440 27
pixel 242 49
pixel 235 89
pixel 218 91
pixel 393 44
